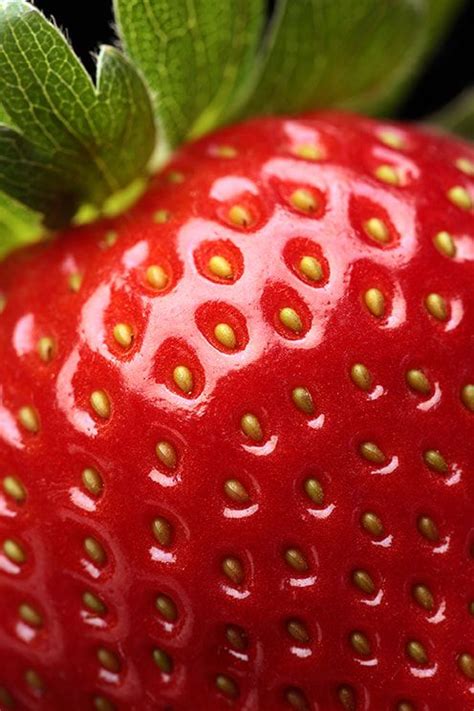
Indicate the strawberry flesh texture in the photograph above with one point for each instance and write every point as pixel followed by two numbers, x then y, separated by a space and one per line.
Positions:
pixel 175 326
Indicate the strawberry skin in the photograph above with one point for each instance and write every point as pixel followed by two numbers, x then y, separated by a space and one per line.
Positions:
pixel 236 434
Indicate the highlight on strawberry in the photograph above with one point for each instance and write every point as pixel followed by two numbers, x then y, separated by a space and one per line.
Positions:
pixel 236 363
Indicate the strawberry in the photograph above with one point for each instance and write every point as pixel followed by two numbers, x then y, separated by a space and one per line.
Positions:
pixel 235 430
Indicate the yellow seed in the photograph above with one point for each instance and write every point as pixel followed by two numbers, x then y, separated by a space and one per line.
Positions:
pixel 428 528
pixel 470 607
pixel 303 400
pixel 360 643
pixel 445 244
pixel 75 282
pixel 156 277
pixel 166 608
pixel 183 378
pixel 3 302
pixel 29 615
pixel 361 377
pixel 236 637
pixel 103 704
pixel 314 491
pixel 94 604
pixel 33 680
pixel 166 453
pixel 109 660
pixel 372 524
pixel 92 481
pixel 94 550
pixel 418 381
pixel 163 661
pixel 100 403
pixel 376 229
pixel 233 569
pixel 46 349
pixel 417 652
pixel 466 665
pixel 363 581
pixel 392 139
pixel 240 216
pixel 298 631
pixel 437 307
pixel 308 151
pixel 311 268
pixel 6 699
pixel 296 699
pixel 236 491
pixel 161 216
pixel 304 200
pixel 347 698
pixel 14 551
pixel 460 197
pixel 175 177
pixel 290 319
pixel 221 267
pixel 467 397
pixel 296 560
pixel 375 302
pixel 225 334
pixel 405 706
pixel 110 239
pixel 28 418
pixel 387 174
pixel 226 152
pixel 465 166
pixel 163 531
pixel 123 334
pixel 435 461
pixel 251 427
pixel 423 596
pixel 372 453
pixel 227 686
pixel 14 488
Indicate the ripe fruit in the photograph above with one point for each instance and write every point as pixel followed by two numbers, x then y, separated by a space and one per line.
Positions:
pixel 235 457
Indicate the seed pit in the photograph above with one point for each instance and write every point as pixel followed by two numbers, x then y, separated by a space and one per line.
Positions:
pixel 219 261
pixel 242 212
pixel 371 223
pixel 223 326
pixel 306 260
pixel 286 311
pixel 178 367
pixel 303 199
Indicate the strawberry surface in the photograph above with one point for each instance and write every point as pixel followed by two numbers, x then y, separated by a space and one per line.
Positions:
pixel 236 434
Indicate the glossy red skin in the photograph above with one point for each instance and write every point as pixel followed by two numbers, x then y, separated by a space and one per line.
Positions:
pixel 205 430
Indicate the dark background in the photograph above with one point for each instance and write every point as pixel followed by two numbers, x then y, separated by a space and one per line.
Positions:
pixel 88 24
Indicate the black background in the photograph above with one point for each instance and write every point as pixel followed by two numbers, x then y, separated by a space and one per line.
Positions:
pixel 88 24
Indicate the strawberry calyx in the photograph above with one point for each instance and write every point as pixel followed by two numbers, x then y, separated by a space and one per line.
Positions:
pixel 73 151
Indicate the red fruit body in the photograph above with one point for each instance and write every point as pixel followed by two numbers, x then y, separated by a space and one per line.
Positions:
pixel 338 572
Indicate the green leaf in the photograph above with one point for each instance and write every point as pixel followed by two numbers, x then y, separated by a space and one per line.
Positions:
pixel 322 53
pixel 440 16
pixel 194 54
pixel 18 225
pixel 458 116
pixel 67 141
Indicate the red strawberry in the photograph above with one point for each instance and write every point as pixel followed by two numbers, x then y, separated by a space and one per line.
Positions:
pixel 236 434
